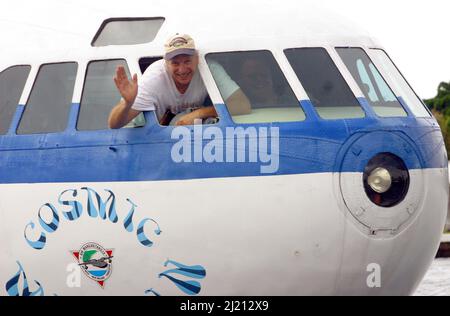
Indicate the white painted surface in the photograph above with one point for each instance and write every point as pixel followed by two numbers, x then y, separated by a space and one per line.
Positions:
pixel 255 236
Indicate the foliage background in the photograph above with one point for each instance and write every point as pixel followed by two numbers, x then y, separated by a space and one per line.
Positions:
pixel 440 106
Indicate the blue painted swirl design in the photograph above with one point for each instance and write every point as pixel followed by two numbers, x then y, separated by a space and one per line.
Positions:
pixel 142 237
pixel 77 208
pixel 189 287
pixel 37 244
pixel 128 221
pixel 97 206
pixel 152 291
pixel 12 286
pixel 53 225
pixel 112 214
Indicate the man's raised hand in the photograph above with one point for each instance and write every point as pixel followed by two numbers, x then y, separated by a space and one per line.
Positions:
pixel 128 89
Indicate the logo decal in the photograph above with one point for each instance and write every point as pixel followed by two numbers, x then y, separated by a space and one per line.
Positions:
pixel 95 262
pixel 178 42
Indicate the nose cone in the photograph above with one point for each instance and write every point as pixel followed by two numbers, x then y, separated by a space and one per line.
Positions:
pixel 401 238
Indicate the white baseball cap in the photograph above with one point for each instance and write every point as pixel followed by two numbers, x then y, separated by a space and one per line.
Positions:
pixel 179 44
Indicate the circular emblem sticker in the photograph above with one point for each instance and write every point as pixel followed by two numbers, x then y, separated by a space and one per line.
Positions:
pixel 95 262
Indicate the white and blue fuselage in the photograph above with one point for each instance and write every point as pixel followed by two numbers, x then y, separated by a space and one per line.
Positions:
pixel 217 227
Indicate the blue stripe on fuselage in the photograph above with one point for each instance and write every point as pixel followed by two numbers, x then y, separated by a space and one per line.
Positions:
pixel 141 154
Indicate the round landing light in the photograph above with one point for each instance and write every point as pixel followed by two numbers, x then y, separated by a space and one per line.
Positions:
pixel 386 180
pixel 380 180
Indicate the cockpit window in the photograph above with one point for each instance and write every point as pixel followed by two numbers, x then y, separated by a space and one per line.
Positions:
pixel 48 107
pixel 12 82
pixel 325 86
pixel 257 76
pixel 127 31
pixel 370 81
pixel 401 86
pixel 100 95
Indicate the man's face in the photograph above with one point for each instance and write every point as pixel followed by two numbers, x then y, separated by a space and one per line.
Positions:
pixel 182 68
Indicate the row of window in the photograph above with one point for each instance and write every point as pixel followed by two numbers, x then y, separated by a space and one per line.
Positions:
pixel 256 73
pixel 263 82
pixel 48 106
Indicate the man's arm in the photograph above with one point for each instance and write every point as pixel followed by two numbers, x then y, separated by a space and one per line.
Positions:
pixel 201 113
pixel 235 99
pixel 122 113
pixel 238 103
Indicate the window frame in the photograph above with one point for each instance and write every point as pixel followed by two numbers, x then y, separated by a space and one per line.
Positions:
pixel 30 92
pixel 83 85
pixel 282 67
pixel 342 72
pixel 21 94
pixel 372 108
pixel 369 51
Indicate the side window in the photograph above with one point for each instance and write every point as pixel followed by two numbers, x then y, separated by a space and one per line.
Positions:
pixel 324 84
pixel 400 84
pixel 256 75
pixel 100 95
pixel 48 107
pixel 12 82
pixel 371 82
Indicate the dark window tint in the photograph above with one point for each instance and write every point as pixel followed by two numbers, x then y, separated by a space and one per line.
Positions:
pixel 12 82
pixel 48 107
pixel 325 86
pixel 370 81
pixel 144 62
pixel 258 76
pixel 128 31
pixel 100 95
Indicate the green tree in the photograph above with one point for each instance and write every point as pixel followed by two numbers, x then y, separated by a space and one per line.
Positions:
pixel 441 102
pixel 440 106
pixel 444 123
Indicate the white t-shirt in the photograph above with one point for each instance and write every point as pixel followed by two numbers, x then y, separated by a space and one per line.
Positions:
pixel 224 83
pixel 157 92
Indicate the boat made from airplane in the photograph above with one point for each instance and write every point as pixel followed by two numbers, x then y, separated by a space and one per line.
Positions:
pixel 335 183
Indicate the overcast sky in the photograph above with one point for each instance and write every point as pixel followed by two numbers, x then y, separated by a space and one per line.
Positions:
pixel 414 33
